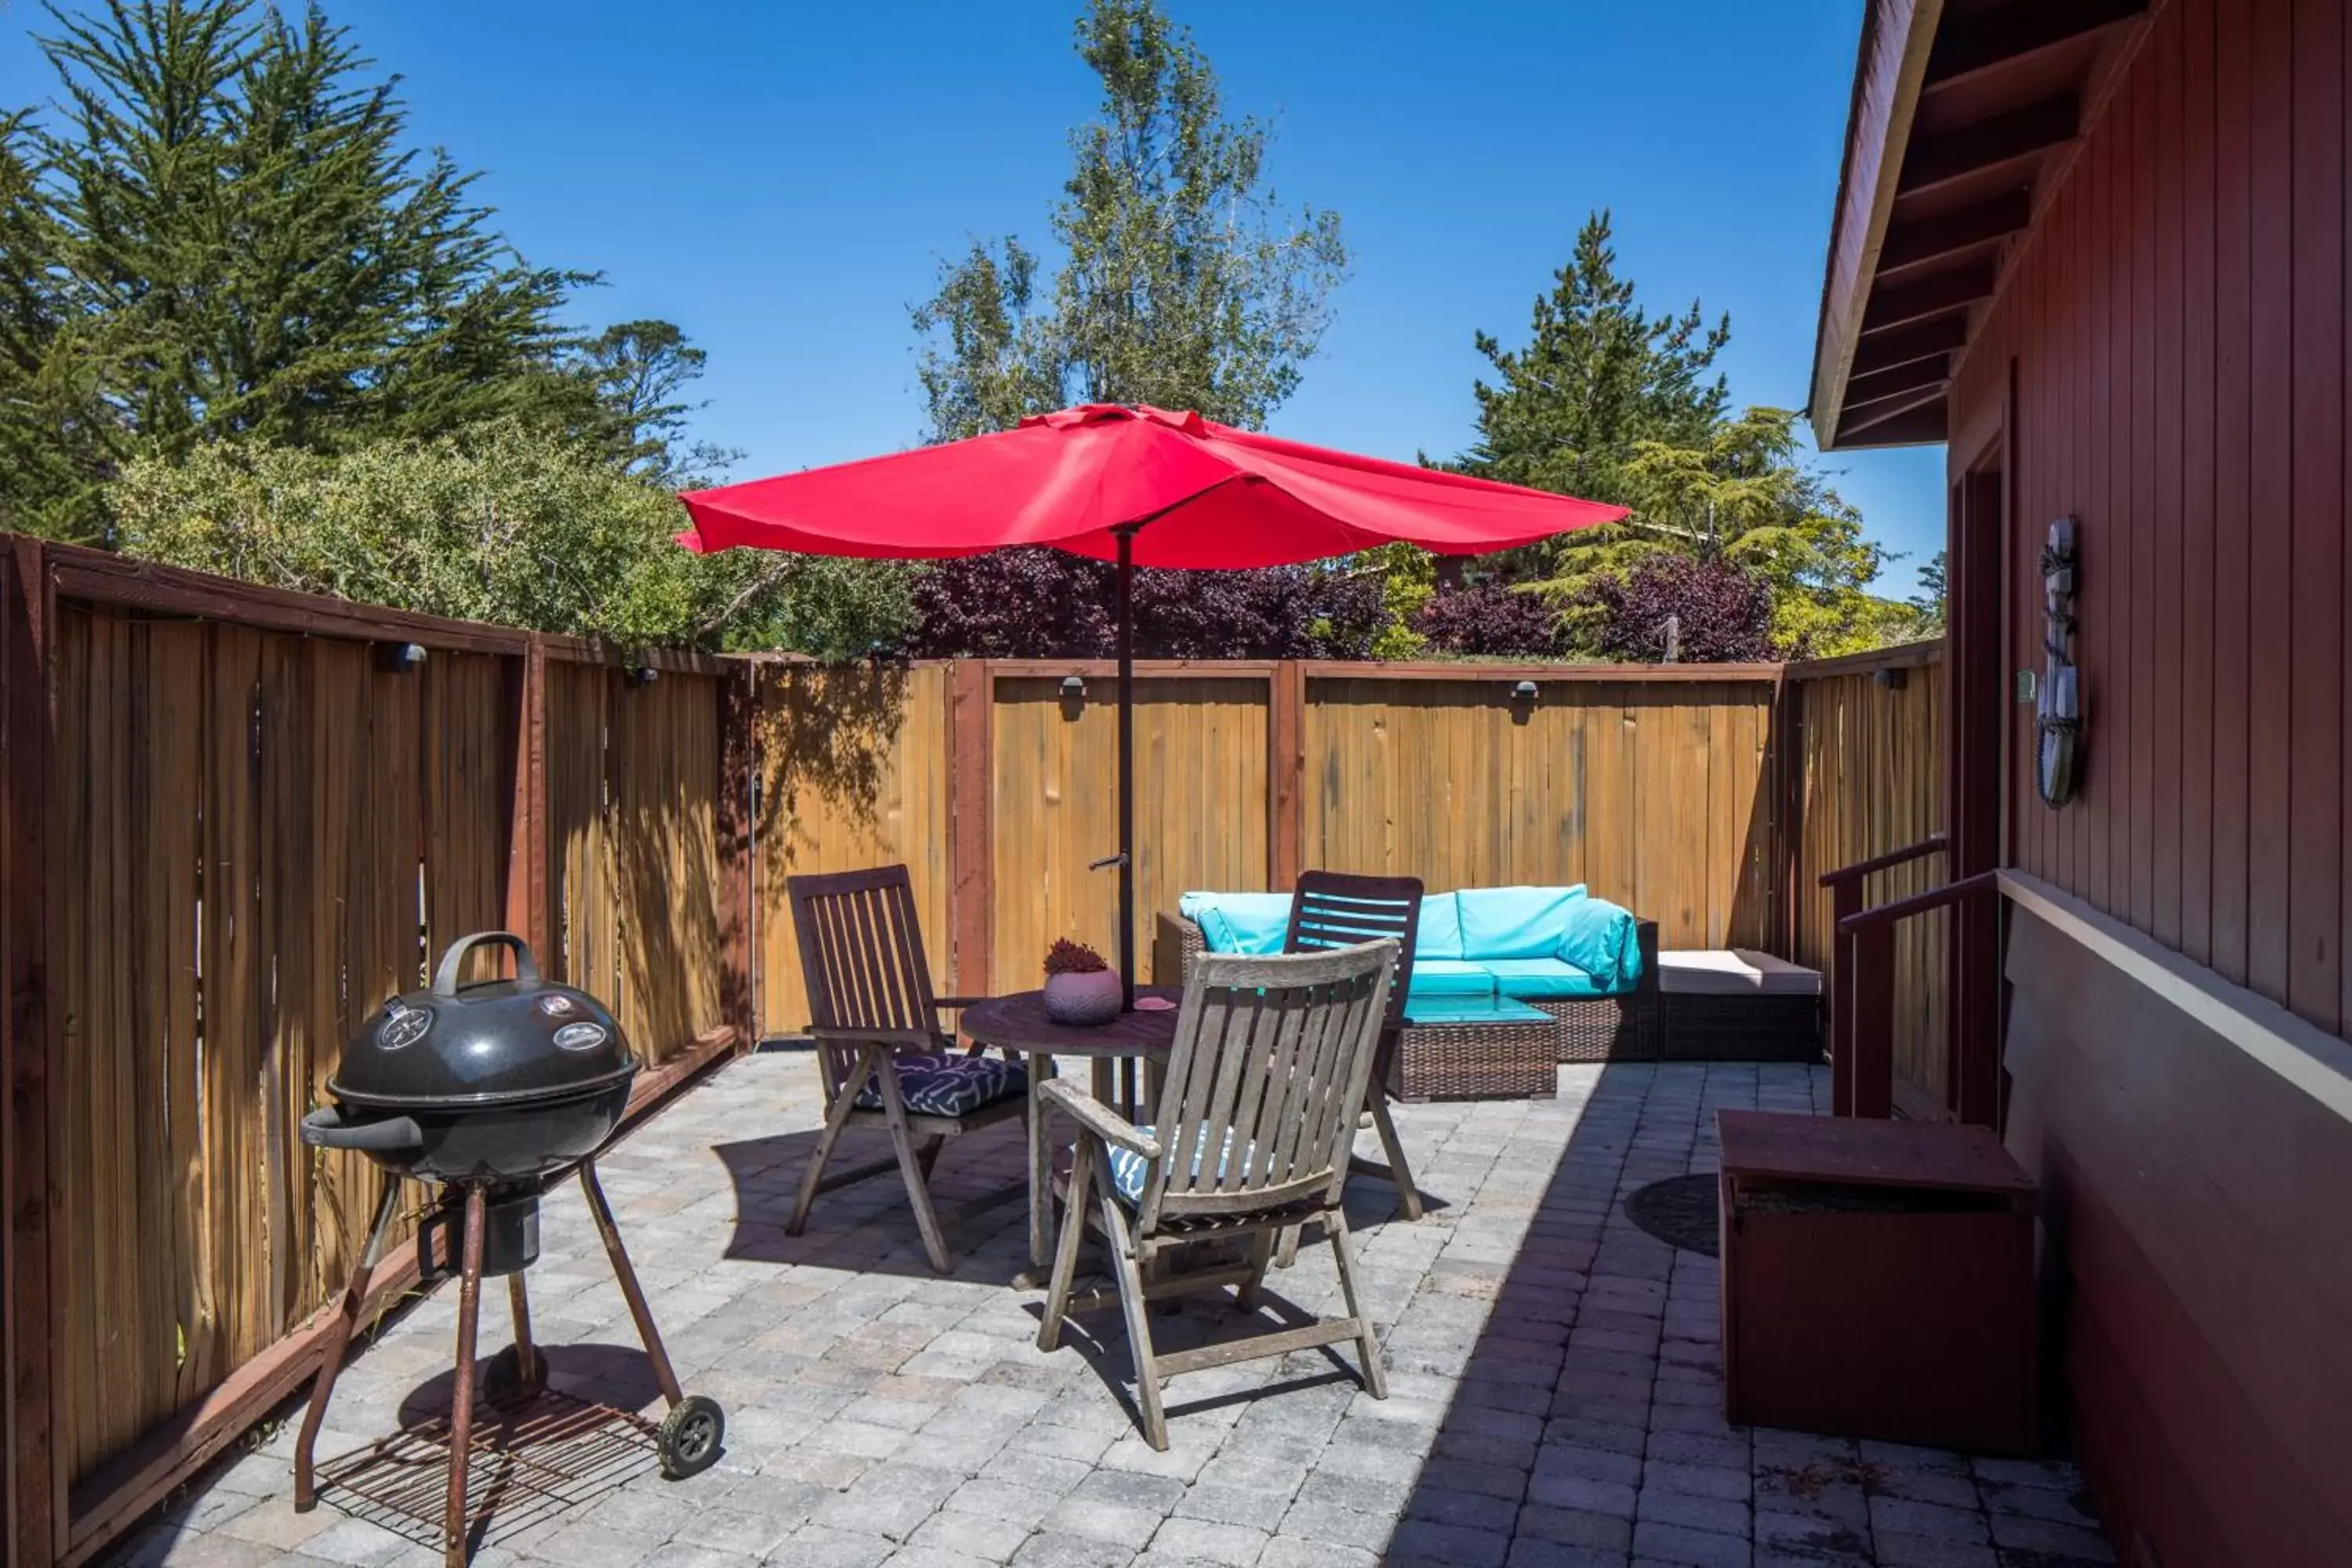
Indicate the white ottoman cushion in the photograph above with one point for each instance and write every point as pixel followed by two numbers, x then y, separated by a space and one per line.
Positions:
pixel 1734 972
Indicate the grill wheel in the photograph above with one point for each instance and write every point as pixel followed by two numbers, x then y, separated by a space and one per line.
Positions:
pixel 690 1436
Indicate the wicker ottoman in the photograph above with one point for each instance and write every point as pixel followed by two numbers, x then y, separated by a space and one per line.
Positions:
pixel 1738 1005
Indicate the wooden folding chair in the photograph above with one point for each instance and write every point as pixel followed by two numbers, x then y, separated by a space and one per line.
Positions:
pixel 1251 1133
pixel 884 1059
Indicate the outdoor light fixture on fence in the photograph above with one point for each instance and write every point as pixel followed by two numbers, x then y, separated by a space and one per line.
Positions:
pixel 1525 692
pixel 1892 679
pixel 1074 689
pixel 400 658
pixel 641 674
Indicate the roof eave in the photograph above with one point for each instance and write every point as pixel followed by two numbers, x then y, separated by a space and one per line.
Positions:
pixel 1889 68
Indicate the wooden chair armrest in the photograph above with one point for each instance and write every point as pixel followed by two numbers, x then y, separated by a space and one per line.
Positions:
pixel 956 1004
pixel 916 1040
pixel 1094 1117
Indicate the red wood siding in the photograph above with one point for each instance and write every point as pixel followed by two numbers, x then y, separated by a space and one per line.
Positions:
pixel 2177 330
pixel 2179 325
pixel 2211 1382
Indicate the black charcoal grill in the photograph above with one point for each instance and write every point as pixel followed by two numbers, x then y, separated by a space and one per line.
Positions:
pixel 490 1092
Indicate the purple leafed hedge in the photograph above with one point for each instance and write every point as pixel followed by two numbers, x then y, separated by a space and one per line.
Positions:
pixel 1488 620
pixel 1043 603
pixel 1722 614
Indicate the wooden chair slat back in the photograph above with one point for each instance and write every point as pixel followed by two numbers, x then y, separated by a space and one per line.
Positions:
pixel 1336 909
pixel 862 959
pixel 1269 1066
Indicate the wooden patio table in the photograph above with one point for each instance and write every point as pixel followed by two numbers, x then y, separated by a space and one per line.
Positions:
pixel 1018 1023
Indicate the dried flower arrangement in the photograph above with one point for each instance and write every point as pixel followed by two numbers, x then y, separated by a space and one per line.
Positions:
pixel 1068 957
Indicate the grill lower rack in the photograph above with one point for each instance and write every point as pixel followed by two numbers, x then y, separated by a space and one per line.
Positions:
pixel 517 1413
pixel 535 1456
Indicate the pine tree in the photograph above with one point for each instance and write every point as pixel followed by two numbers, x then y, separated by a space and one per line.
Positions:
pixel 268 257
pixel 51 434
pixel 1597 376
pixel 225 235
pixel 639 372
pixel 1610 403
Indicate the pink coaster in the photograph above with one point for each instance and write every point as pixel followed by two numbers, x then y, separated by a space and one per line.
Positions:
pixel 1154 1005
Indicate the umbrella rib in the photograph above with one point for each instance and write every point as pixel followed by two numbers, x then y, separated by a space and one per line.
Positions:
pixel 1137 524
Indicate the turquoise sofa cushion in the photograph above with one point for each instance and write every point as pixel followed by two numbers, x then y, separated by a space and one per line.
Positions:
pixel 1239 922
pixel 1439 934
pixel 1451 978
pixel 1602 940
pixel 1515 922
pixel 1541 979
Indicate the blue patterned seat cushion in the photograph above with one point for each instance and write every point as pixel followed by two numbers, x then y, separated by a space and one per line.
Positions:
pixel 1129 1170
pixel 950 1086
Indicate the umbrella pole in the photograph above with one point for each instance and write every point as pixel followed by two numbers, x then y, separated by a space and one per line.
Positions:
pixel 1126 537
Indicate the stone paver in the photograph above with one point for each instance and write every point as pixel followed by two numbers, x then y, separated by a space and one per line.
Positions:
pixel 1556 1393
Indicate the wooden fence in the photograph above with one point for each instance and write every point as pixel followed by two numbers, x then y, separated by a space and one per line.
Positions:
pixel 1866 776
pixel 236 822
pixel 993 779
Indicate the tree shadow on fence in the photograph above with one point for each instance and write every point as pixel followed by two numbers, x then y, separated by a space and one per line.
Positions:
pixel 830 731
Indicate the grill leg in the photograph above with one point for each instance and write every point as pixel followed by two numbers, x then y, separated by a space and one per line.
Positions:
pixel 339 1343
pixel 527 1362
pixel 628 1276
pixel 461 1413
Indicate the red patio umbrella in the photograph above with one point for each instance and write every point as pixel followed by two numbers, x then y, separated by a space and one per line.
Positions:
pixel 1137 486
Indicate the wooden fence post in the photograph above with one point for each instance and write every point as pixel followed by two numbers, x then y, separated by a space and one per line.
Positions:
pixel 1845 899
pixel 30 1047
pixel 971 781
pixel 528 912
pixel 1286 774
pixel 1788 826
pixel 1870 1032
pixel 739 754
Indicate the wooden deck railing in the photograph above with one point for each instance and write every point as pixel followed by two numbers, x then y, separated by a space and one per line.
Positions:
pixel 1861 1045
pixel 1846 890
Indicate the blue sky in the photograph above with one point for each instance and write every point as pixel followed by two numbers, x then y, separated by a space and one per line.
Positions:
pixel 782 179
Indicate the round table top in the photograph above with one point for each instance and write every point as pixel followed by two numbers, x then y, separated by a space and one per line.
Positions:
pixel 1018 1023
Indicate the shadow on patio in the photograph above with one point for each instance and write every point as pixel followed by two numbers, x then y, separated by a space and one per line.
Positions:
pixel 1587 1421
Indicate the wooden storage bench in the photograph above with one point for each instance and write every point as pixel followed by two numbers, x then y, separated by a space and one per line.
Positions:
pixel 1877 1281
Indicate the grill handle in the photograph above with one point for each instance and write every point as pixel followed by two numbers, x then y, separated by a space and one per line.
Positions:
pixel 326 1128
pixel 453 962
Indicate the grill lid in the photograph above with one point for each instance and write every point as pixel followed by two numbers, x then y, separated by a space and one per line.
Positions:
pixel 498 1042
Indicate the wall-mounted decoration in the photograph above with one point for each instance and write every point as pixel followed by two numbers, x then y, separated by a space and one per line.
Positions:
pixel 2058 710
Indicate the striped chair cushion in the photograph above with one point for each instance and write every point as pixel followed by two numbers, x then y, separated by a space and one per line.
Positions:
pixel 950 1086
pixel 1129 1170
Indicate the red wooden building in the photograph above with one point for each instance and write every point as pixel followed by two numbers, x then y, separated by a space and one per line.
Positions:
pixel 2097 247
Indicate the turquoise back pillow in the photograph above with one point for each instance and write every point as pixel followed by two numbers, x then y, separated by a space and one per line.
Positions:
pixel 1516 922
pixel 1439 932
pixel 1239 922
pixel 1602 939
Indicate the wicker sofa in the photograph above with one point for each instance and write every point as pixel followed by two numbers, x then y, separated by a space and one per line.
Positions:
pixel 1457 1061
